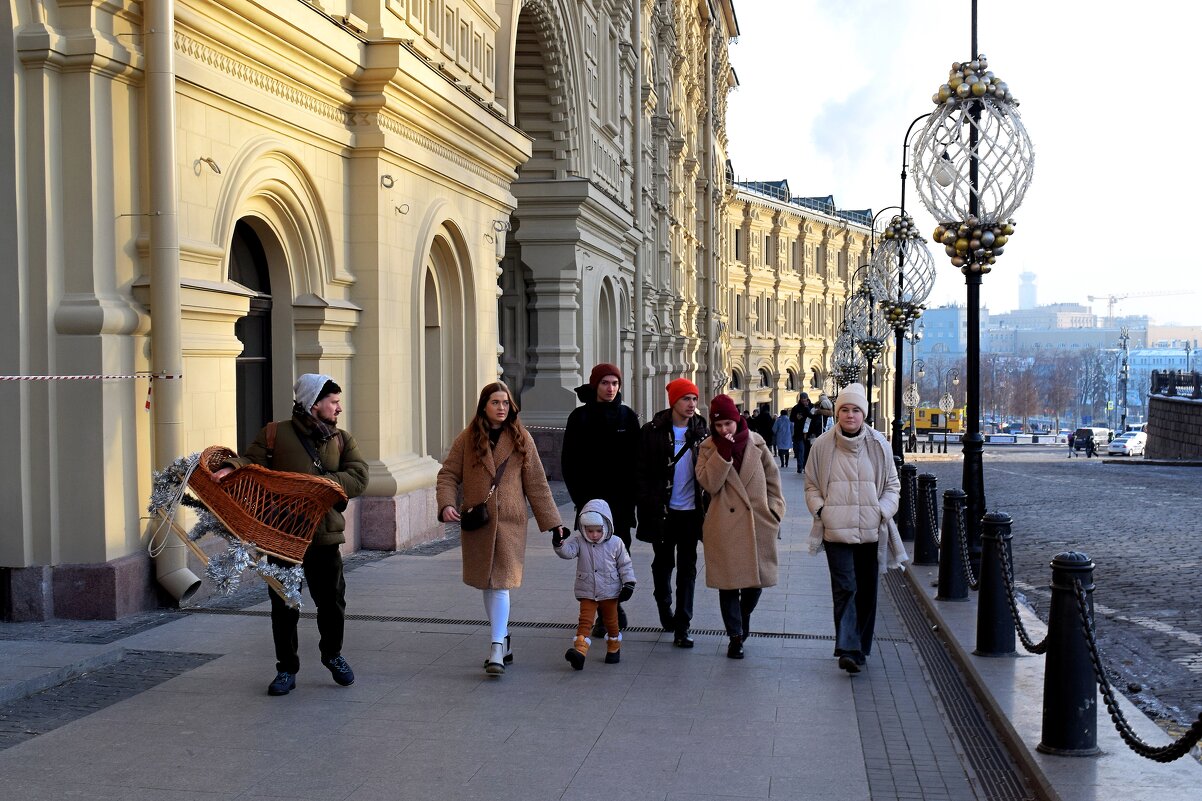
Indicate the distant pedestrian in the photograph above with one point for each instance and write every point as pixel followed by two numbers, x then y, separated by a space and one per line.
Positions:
pixel 311 442
pixel 604 577
pixel 767 421
pixel 670 504
pixel 852 490
pixel 782 436
pixel 600 447
pixel 1070 444
pixel 494 462
pixel 1089 447
pixel 735 466
pixel 800 416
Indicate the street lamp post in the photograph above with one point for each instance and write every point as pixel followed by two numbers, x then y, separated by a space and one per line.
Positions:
pixel 1124 376
pixel 947 379
pixel 913 397
pixel 972 165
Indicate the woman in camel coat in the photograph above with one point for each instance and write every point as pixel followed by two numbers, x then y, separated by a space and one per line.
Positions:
pixel 493 442
pixel 735 466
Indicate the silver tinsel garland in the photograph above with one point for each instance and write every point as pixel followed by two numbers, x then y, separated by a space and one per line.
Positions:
pixel 225 570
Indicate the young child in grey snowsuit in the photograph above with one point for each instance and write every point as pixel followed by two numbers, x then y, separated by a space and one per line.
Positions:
pixel 604 576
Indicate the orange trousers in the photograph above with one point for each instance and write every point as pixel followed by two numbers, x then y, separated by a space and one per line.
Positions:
pixel 588 613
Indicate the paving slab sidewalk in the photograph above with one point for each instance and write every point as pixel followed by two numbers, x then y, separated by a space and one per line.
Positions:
pixel 424 721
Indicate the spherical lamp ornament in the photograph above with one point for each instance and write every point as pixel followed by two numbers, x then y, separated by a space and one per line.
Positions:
pixel 903 273
pixel 943 150
pixel 846 360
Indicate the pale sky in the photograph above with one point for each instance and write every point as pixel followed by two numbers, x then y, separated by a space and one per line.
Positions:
pixel 1109 94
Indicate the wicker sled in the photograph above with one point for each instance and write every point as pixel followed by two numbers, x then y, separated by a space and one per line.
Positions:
pixel 277 512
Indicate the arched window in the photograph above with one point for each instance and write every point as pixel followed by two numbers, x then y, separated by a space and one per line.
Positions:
pixel 765 377
pixel 790 380
pixel 736 381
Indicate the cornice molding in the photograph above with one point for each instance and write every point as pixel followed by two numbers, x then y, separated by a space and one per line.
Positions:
pixel 314 104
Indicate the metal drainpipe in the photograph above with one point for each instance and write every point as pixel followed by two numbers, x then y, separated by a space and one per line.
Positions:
pixel 171 565
pixel 711 273
pixel 639 397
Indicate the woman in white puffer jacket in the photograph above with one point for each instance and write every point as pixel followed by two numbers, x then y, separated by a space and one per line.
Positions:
pixel 852 490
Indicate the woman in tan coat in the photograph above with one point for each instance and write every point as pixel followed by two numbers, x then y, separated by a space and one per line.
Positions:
pixel 495 447
pixel 735 466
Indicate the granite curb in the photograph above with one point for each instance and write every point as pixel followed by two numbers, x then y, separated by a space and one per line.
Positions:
pixel 26 668
pixel 1011 689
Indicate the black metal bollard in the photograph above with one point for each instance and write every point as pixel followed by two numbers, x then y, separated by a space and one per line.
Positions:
pixel 995 621
pixel 1070 692
pixel 926 545
pixel 953 583
pixel 908 474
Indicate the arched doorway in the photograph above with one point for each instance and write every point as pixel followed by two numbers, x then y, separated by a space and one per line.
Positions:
pixel 606 346
pixel 539 310
pixel 435 389
pixel 248 267
pixel 444 332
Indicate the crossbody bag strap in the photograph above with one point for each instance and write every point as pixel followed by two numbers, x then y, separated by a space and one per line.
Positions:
pixel 497 479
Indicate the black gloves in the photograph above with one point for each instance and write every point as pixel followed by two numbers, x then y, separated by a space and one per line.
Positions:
pixel 626 591
pixel 559 534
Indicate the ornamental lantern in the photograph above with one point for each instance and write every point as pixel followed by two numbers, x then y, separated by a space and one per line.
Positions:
pixel 972 164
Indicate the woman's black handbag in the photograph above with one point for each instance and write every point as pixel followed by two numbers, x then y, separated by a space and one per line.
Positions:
pixel 475 517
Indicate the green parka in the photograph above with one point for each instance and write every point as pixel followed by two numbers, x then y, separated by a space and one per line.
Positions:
pixel 345 466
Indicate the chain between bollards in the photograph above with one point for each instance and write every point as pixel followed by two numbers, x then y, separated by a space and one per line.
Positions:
pixel 1165 753
pixel 926 531
pixel 1025 637
pixel 954 573
pixel 962 533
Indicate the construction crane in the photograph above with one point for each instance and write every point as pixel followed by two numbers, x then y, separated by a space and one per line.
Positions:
pixel 1111 300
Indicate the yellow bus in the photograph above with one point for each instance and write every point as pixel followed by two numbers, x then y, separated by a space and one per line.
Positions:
pixel 934 419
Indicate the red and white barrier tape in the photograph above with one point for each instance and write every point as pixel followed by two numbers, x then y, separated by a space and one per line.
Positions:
pixel 99 377
pixel 152 376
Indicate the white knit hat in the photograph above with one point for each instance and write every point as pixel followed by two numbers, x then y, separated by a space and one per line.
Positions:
pixel 853 394
pixel 308 387
pixel 592 519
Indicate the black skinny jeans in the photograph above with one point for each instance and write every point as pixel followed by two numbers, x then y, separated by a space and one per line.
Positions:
pixel 677 550
pixel 327 586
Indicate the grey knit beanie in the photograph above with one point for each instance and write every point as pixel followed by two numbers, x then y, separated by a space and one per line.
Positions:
pixel 308 387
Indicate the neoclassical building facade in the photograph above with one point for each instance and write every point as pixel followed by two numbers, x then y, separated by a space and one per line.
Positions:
pixel 413 196
pixel 612 254
pixel 788 266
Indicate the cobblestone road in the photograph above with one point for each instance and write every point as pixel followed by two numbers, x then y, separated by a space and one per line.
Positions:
pixel 1142 526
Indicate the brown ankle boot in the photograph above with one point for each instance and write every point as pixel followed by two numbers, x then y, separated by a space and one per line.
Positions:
pixel 613 650
pixel 578 652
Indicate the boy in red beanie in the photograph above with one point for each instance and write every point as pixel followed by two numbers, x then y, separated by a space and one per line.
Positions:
pixel 670 504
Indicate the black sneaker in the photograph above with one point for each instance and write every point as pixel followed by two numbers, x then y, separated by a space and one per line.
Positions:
pixel 849 664
pixel 682 640
pixel 340 670
pixel 283 684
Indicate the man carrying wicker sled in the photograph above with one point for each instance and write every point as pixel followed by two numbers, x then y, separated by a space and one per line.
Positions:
pixel 312 443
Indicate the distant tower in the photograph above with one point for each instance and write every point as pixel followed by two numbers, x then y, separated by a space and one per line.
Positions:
pixel 1026 291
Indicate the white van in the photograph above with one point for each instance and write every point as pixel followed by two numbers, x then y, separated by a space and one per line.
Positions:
pixel 1101 437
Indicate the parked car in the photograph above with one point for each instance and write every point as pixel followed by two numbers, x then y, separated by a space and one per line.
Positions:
pixel 1132 443
pixel 1062 436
